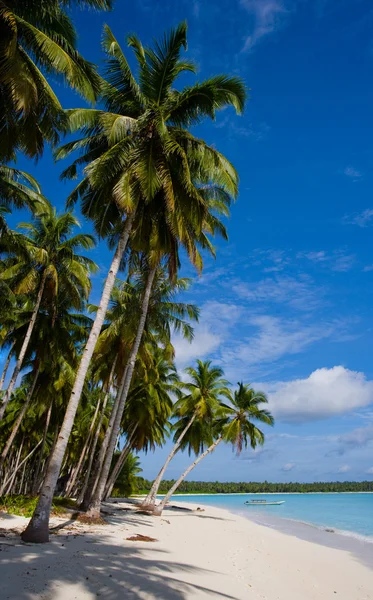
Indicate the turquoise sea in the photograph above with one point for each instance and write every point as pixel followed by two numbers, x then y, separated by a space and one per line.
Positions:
pixel 351 514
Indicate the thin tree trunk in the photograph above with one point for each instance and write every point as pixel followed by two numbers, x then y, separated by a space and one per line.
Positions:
pixel 24 347
pixel 93 475
pixel 22 479
pixel 94 508
pixel 73 479
pixel 150 499
pixel 19 466
pixel 119 464
pixel 159 508
pixel 3 375
pixel 36 482
pixel 38 528
pixel 19 420
pixel 15 469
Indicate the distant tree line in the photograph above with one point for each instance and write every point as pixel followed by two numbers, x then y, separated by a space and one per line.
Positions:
pixel 255 487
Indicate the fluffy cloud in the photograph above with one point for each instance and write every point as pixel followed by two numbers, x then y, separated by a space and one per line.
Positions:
pixel 344 469
pixel 326 392
pixel 215 321
pixel 288 467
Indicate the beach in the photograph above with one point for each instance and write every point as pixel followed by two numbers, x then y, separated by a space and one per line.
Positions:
pixel 210 553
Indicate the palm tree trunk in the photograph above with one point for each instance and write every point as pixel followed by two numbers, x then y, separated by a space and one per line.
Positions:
pixel 24 347
pixel 15 469
pixel 94 508
pixel 93 475
pixel 3 375
pixel 22 480
pixel 73 479
pixel 159 508
pixel 119 464
pixel 38 528
pixel 19 420
pixel 3 487
pixel 36 482
pixel 150 499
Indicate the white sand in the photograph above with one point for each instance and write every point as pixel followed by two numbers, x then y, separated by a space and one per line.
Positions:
pixel 214 554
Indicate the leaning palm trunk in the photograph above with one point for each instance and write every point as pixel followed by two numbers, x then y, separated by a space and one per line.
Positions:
pixel 83 453
pixel 5 370
pixel 150 499
pixel 97 469
pixel 94 508
pixel 19 420
pixel 159 508
pixel 119 464
pixel 24 347
pixel 4 485
pixel 8 491
pixel 38 527
pixel 36 483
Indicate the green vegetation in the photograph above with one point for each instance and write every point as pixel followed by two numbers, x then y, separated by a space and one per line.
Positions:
pixel 25 505
pixel 252 487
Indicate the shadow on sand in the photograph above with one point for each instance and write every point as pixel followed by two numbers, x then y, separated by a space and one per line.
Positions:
pixel 92 566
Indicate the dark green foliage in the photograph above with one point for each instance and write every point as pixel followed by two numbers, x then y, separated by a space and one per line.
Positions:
pixel 253 487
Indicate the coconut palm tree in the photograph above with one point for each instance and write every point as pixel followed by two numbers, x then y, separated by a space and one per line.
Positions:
pixel 148 408
pixel 19 189
pixel 139 151
pixel 46 261
pixel 204 393
pixel 235 424
pixel 164 315
pixel 38 38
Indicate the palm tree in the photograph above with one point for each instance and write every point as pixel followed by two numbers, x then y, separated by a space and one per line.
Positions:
pixel 148 407
pixel 205 391
pixel 38 38
pixel 19 189
pixel 234 424
pixel 164 315
pixel 140 152
pixel 44 262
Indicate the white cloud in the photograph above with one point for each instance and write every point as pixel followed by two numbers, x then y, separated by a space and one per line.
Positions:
pixel 326 392
pixel 299 293
pixel 352 172
pixel 268 16
pixel 277 337
pixel 354 439
pixel 338 260
pixel 288 467
pixel 370 471
pixel 216 319
pixel 344 469
pixel 368 268
pixel 203 344
pixel 362 219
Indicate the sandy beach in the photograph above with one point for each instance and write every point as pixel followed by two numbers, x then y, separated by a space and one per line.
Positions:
pixel 209 554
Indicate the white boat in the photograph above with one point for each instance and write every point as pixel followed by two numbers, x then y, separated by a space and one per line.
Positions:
pixel 264 502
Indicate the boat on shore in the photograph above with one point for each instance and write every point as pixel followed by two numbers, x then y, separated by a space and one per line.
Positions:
pixel 264 502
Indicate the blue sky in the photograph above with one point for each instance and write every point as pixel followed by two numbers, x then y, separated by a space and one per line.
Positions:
pixel 287 304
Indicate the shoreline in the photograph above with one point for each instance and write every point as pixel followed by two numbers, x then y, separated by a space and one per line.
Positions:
pixel 212 553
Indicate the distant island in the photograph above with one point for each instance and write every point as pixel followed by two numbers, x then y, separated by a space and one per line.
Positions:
pixel 253 487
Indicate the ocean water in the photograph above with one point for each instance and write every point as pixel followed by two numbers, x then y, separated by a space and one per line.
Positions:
pixel 349 514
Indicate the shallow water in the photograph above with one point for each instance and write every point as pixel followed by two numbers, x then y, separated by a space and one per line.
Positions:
pixel 347 513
